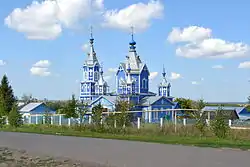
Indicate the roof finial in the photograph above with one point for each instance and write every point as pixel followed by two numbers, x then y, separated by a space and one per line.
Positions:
pixel 132 32
pixel 164 72
pixel 91 32
pixel 132 43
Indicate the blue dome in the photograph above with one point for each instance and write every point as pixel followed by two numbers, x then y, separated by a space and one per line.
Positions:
pixel 132 42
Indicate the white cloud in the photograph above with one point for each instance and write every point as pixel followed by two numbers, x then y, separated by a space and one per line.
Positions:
pixel 41 68
pixel 113 70
pixel 195 83
pixel 85 47
pixel 189 34
pixel 138 15
pixel 175 76
pixel 218 66
pixel 107 77
pixel 46 19
pixel 153 75
pixel 2 63
pixel 245 64
pixel 42 63
pixel 201 44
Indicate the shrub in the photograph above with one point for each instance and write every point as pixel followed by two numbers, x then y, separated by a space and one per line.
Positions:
pixel 219 125
pixel 15 118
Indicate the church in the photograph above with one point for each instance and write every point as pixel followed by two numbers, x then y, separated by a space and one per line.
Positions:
pixel 132 84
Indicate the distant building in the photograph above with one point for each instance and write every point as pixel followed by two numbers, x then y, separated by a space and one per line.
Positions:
pixel 32 109
pixel 132 84
pixel 233 112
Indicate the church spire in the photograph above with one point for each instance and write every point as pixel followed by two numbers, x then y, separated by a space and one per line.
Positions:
pixel 164 87
pixel 91 55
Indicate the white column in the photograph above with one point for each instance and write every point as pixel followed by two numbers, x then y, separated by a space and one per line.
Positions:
pixel 69 121
pixel 161 122
pixel 230 122
pixel 184 121
pixel 207 121
pixel 29 119
pixel 60 119
pixel 208 116
pixel 149 116
pixel 7 120
pixel 90 119
pixel 115 124
pixel 52 122
pixel 44 120
pixel 175 121
pixel 101 121
pixel 138 123
pixel 36 119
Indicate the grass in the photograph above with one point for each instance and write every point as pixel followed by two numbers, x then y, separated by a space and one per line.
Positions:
pixel 148 133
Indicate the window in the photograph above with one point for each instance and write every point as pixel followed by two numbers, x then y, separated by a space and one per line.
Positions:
pixel 91 72
pixel 86 75
pixel 144 83
pixel 85 88
pixel 96 76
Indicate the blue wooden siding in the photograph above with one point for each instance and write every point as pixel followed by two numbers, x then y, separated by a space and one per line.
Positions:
pixel 144 85
pixel 136 77
pixel 105 103
pixel 41 109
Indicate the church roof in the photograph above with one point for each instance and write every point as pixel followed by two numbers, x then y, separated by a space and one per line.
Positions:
pixel 112 99
pixel 152 99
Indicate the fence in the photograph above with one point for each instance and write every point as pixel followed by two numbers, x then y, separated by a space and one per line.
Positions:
pixel 59 119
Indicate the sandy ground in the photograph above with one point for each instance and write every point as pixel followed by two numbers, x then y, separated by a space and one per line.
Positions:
pixel 123 153
pixel 20 158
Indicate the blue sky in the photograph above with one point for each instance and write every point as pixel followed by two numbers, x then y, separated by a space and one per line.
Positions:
pixel 204 45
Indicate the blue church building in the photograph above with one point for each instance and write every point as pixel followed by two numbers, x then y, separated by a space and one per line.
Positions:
pixel 132 84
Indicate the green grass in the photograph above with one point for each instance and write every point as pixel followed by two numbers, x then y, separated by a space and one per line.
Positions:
pixel 144 135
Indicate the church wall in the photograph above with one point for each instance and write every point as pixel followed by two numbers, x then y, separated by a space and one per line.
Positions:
pixel 136 77
pixel 144 74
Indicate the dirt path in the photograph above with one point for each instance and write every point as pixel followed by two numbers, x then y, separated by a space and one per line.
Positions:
pixel 124 153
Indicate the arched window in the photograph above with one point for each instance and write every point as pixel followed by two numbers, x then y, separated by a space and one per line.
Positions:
pixel 144 83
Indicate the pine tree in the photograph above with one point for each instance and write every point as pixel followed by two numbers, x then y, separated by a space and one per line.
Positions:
pixel 2 111
pixel 14 117
pixel 70 109
pixel 7 94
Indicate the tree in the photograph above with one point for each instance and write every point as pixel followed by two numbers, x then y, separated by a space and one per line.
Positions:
pixel 14 117
pixel 2 111
pixel 47 117
pixel 220 125
pixel 184 103
pixel 70 108
pixel 81 110
pixel 200 122
pixel 123 118
pixel 97 114
pixel 7 94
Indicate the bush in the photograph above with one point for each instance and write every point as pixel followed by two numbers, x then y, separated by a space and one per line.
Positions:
pixel 15 118
pixel 219 125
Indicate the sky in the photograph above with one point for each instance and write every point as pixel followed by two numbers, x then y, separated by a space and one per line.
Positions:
pixel 204 45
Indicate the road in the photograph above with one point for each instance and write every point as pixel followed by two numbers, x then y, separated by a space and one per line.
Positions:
pixel 124 153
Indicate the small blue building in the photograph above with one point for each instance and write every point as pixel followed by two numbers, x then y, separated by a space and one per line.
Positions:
pixel 240 112
pixel 36 108
pixel 32 110
pixel 132 84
